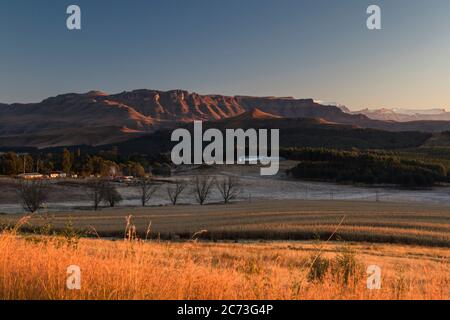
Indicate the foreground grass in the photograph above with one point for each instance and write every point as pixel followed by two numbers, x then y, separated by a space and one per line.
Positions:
pixel 35 268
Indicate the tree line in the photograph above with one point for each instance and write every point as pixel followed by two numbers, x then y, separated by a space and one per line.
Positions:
pixel 104 163
pixel 34 194
pixel 367 167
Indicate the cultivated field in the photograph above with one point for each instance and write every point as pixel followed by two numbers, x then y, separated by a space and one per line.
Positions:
pixel 264 220
pixel 244 250
pixel 35 268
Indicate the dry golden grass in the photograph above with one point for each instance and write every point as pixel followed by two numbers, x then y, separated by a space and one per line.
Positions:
pixel 34 267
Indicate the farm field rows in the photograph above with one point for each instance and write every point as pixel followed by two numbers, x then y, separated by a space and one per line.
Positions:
pixel 275 220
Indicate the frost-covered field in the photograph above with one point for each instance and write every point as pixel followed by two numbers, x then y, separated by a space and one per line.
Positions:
pixel 73 195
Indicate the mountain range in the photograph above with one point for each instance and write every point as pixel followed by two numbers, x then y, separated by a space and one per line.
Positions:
pixel 406 115
pixel 97 118
pixel 294 132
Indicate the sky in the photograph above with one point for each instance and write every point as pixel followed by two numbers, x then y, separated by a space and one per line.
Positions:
pixel 318 49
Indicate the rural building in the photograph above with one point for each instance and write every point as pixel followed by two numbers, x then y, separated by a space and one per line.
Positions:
pixel 30 176
pixel 58 174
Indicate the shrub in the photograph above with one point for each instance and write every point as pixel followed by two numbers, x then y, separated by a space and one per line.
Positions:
pixel 345 267
pixel 318 268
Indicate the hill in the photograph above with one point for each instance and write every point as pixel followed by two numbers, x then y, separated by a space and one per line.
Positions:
pixel 97 118
pixel 294 132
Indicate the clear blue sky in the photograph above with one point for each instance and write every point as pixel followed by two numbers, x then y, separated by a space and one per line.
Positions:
pixel 317 48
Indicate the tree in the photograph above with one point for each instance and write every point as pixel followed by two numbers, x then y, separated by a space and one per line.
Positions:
pixel 229 188
pixel 66 161
pixel 110 195
pixel 133 169
pixel 85 165
pixel 33 194
pixel 9 163
pixel 96 191
pixel 26 164
pixel 175 190
pixel 47 167
pixel 202 188
pixel 148 189
pixel 104 168
pixel 137 170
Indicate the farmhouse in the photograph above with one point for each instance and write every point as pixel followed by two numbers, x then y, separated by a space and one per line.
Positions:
pixel 30 176
pixel 58 174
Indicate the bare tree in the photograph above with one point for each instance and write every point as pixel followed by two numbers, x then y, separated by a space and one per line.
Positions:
pixel 148 189
pixel 229 188
pixel 202 188
pixel 33 194
pixel 96 191
pixel 174 191
pixel 110 195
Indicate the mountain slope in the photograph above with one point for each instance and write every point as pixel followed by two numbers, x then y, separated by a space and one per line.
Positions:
pixel 70 119
pixel 294 132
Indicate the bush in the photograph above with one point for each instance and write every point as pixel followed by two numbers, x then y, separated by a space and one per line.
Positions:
pixel 318 268
pixel 345 267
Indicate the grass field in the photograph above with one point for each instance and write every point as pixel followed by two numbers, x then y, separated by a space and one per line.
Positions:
pixel 35 268
pixel 256 259
pixel 374 222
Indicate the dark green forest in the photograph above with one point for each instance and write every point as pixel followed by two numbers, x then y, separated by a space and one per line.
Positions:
pixel 366 167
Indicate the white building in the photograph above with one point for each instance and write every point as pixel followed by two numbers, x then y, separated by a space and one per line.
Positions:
pixel 30 176
pixel 58 174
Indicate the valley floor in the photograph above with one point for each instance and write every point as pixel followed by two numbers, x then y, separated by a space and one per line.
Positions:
pixel 68 195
